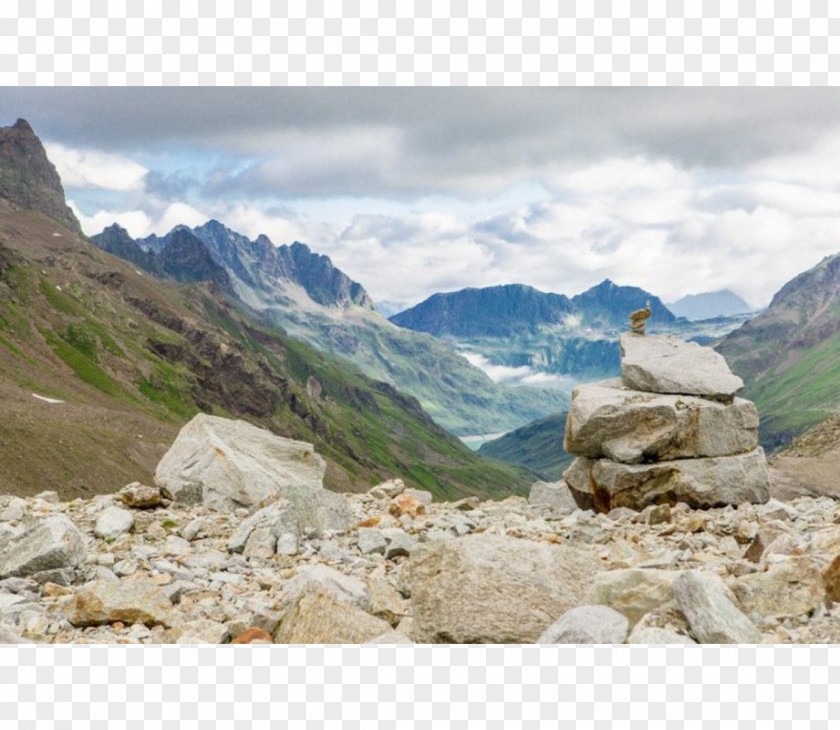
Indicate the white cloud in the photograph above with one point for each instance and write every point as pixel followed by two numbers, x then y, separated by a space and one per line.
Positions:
pixel 179 214
pixel 86 169
pixel 522 375
pixel 136 222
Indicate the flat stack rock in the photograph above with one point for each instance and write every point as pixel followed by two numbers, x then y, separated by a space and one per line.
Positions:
pixel 670 430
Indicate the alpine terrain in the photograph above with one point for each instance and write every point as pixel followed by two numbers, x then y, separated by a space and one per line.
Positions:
pixel 303 293
pixel 101 363
pixel 178 466
pixel 789 355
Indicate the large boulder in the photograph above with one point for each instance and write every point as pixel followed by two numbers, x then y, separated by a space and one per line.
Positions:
pixel 492 589
pixel 608 420
pixel 131 600
pixel 603 485
pixel 225 464
pixel 316 616
pixel 711 614
pixel 663 364
pixel 52 543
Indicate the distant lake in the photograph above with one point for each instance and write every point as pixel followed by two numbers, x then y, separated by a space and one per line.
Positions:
pixel 476 442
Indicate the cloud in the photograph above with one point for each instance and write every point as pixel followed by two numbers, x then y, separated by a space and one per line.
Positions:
pixel 88 168
pixel 522 375
pixel 413 191
pixel 416 142
pixel 136 222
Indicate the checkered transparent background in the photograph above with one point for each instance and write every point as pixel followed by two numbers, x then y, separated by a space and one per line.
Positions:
pixel 349 687
pixel 350 42
pixel 383 42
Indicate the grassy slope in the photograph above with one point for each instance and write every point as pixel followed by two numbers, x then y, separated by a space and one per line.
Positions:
pixel 133 358
pixel 789 356
pixel 797 394
pixel 537 446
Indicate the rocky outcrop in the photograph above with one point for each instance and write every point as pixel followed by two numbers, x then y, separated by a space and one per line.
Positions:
pixel 226 464
pixel 494 589
pixel 28 179
pixel 408 569
pixel 489 571
pixel 670 431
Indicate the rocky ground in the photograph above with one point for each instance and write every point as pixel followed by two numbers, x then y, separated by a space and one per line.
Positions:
pixel 408 569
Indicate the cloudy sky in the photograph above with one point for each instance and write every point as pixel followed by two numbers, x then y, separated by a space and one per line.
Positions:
pixel 413 191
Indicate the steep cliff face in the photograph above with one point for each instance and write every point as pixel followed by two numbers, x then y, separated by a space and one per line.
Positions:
pixel 28 179
pixel 261 266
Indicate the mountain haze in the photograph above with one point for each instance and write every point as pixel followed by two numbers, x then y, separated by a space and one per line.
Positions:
pixel 723 303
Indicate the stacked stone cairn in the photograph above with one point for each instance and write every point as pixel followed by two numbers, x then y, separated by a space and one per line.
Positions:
pixel 669 430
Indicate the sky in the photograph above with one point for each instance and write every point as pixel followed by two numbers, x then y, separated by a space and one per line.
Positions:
pixel 415 191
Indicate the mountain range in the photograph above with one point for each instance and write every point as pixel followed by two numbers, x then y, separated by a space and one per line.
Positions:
pixel 304 294
pixel 723 303
pixel 538 446
pixel 516 309
pixel 101 362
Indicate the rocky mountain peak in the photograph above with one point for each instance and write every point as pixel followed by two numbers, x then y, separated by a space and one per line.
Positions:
pixel 23 126
pixel 28 179
pixel 608 304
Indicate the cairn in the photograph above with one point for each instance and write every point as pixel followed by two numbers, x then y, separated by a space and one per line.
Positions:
pixel 669 430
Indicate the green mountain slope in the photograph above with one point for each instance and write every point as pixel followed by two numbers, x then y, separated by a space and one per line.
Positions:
pixel 537 446
pixel 789 356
